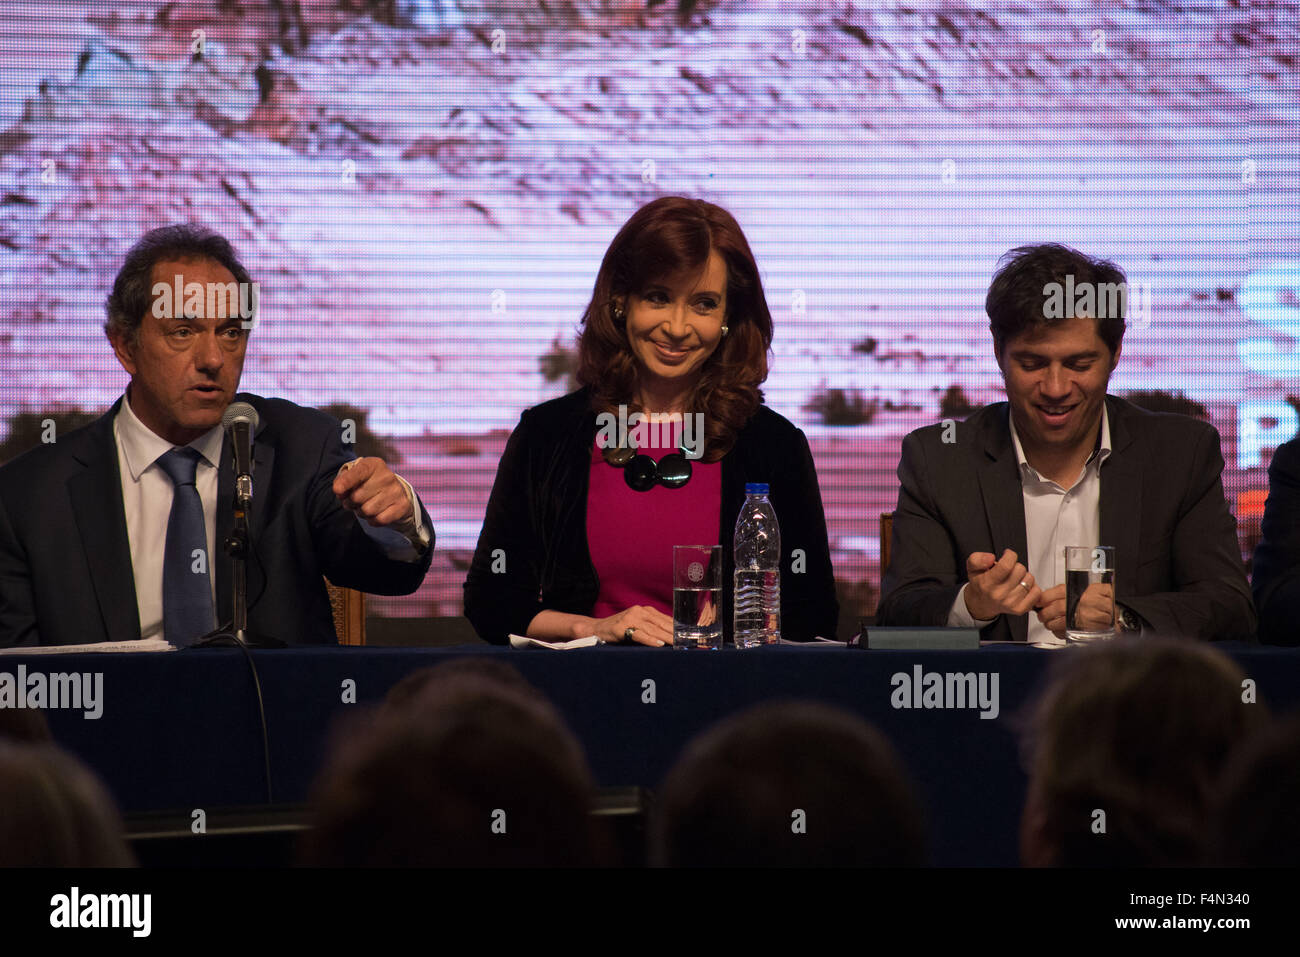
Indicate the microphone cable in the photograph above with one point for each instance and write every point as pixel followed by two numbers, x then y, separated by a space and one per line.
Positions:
pixel 228 631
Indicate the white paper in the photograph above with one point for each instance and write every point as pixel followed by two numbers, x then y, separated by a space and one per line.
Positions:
pixel 98 647
pixel 519 641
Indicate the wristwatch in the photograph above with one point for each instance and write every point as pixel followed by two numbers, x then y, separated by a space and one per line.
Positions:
pixel 1128 621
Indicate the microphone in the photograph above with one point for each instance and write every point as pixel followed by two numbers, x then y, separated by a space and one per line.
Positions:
pixel 240 421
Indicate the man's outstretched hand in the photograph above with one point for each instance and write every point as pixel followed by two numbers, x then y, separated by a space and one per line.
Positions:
pixel 373 491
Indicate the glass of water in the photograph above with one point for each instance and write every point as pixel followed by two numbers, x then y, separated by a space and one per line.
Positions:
pixel 697 596
pixel 1090 580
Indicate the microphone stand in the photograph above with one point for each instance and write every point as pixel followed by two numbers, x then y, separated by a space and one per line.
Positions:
pixel 237 548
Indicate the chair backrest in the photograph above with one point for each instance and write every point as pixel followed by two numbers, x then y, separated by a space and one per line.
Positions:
pixel 349 606
pixel 886 534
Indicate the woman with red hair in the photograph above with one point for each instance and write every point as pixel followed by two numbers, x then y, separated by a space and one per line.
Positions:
pixel 578 535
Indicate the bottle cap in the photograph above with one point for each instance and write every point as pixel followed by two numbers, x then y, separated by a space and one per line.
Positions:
pixel 755 488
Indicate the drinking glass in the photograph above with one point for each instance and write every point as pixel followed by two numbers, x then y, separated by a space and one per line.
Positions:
pixel 1089 593
pixel 697 596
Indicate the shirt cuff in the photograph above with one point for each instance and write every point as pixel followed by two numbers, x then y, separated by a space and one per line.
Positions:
pixel 414 528
pixel 960 617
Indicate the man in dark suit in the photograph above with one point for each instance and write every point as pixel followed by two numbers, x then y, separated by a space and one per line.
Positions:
pixel 1276 573
pixel 114 532
pixel 986 506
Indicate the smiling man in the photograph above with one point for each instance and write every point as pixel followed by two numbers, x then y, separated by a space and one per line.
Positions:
pixel 114 532
pixel 987 506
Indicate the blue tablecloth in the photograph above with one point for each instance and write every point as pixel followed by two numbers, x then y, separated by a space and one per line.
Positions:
pixel 179 730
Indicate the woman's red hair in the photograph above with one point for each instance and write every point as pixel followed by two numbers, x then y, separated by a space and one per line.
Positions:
pixel 665 238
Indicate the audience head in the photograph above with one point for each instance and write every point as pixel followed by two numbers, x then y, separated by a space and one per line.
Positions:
pixel 467 770
pixel 413 686
pixel 1257 811
pixel 1125 747
pixel 27 725
pixel 788 784
pixel 56 813
pixel 678 309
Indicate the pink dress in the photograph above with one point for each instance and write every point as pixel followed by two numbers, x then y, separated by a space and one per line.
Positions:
pixel 631 534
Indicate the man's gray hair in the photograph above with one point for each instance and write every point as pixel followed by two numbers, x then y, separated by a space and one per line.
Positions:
pixel 132 293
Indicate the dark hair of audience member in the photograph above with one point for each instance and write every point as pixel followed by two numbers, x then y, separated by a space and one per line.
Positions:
pixel 1257 809
pixel 55 812
pixel 490 668
pixel 467 772
pixel 788 784
pixel 1125 747
pixel 26 725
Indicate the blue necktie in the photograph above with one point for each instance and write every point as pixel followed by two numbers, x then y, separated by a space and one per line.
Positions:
pixel 187 594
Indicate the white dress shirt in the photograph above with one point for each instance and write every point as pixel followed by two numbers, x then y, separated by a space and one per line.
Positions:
pixel 1054 518
pixel 147 501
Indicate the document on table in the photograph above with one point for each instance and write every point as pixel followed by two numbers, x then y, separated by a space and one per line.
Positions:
pixel 519 641
pixel 97 647
pixel 1054 643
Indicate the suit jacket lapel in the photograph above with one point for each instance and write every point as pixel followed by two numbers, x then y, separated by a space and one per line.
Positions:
pixel 1004 504
pixel 1121 499
pixel 96 496
pixel 263 461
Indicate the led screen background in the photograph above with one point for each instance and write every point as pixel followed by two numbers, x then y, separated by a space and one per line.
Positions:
pixel 424 190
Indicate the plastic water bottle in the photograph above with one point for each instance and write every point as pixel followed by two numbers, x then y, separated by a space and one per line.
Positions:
pixel 757 595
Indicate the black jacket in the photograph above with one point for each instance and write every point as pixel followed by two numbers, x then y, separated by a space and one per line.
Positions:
pixel 65 557
pixel 1276 576
pixel 1178 564
pixel 537 517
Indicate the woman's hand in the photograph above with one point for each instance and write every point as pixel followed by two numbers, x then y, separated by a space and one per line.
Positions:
pixel 650 627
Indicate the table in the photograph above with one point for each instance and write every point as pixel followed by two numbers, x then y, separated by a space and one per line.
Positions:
pixel 180 730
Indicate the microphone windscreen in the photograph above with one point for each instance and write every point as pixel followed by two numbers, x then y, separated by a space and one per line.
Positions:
pixel 240 410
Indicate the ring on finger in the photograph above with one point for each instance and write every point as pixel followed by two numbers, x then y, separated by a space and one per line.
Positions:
pixel 1023 584
pixel 628 633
